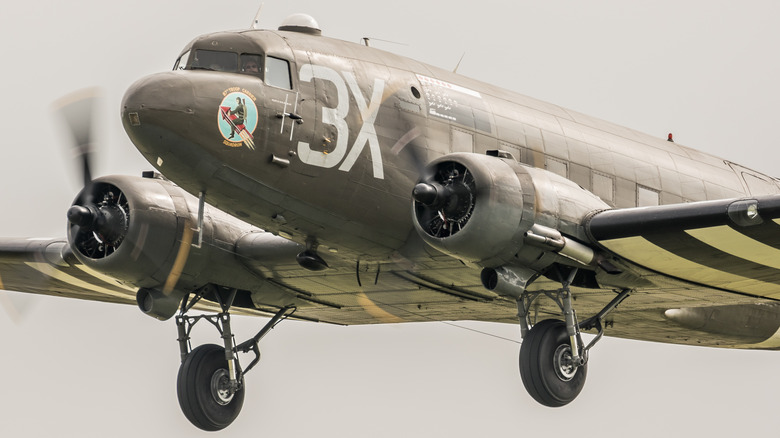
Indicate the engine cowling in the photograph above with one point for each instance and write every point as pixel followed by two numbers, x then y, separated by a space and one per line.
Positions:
pixel 486 210
pixel 128 228
pixel 142 232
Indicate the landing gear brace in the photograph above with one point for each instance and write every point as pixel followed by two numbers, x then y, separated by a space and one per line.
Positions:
pixel 553 358
pixel 210 385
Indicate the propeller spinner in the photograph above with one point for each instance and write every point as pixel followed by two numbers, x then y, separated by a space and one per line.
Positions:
pixel 98 228
pixel 445 200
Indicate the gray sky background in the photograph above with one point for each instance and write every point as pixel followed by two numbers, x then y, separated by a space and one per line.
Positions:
pixel 705 70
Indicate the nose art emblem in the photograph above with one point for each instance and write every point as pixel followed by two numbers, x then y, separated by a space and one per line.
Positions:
pixel 237 119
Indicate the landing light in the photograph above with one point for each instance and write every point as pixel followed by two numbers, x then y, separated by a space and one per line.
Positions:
pixel 752 211
pixel 745 213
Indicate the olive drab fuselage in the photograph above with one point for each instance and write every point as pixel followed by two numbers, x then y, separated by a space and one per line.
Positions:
pixel 336 136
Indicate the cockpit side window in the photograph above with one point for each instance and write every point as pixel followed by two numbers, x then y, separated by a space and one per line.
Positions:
pixel 215 61
pixel 251 64
pixel 277 73
pixel 181 63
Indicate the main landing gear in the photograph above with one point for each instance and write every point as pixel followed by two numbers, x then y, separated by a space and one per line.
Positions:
pixel 553 358
pixel 210 385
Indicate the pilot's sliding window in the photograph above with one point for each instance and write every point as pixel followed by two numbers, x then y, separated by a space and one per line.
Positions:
pixel 277 73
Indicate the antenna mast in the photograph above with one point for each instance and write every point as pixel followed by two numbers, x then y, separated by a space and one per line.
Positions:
pixel 256 22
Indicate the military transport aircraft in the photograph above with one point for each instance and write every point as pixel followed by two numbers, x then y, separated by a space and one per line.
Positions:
pixel 310 178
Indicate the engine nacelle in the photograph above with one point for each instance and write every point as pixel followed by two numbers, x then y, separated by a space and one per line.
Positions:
pixel 143 232
pixel 127 227
pixel 487 210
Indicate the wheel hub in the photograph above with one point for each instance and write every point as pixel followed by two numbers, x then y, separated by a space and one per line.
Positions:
pixel 563 363
pixel 220 387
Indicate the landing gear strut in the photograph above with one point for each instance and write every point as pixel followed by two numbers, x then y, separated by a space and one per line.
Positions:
pixel 210 385
pixel 553 358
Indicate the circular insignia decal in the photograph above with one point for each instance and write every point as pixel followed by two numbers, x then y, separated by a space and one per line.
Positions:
pixel 237 119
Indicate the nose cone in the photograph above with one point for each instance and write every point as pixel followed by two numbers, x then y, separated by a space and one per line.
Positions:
pixel 156 107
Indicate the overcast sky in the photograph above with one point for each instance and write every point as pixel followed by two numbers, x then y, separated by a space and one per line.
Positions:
pixel 705 70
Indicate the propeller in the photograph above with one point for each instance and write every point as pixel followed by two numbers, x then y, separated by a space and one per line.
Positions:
pixel 99 223
pixel 445 198
pixel 76 109
pixel 445 192
pixel 16 305
pixel 100 215
pixel 415 153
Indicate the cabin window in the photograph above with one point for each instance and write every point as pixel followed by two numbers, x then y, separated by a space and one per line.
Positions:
pixel 215 61
pixel 251 64
pixel 277 73
pixel 462 141
pixel 646 197
pixel 603 186
pixel 557 166
pixel 181 63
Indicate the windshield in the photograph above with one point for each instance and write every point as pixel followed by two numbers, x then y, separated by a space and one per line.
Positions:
pixel 275 71
pixel 181 63
pixel 214 60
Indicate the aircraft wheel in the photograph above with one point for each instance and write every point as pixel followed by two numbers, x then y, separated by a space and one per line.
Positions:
pixel 203 389
pixel 545 365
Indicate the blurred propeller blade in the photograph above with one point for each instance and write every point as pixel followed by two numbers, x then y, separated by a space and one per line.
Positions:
pixel 76 109
pixel 16 305
pixel 416 154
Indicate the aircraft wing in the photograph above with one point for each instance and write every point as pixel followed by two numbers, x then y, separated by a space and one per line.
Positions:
pixel 434 289
pixel 47 267
pixel 43 266
pixel 731 245
pixel 704 274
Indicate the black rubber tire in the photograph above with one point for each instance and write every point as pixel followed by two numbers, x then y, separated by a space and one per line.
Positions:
pixel 537 365
pixel 194 389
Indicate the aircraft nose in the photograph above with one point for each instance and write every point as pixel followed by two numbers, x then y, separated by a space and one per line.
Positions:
pixel 169 91
pixel 156 101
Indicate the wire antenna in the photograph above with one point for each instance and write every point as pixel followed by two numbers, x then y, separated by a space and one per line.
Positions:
pixel 367 39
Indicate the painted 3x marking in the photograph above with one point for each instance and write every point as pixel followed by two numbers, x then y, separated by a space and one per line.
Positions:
pixel 336 117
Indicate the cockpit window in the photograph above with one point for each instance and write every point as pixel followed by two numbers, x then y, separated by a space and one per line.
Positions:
pixel 216 61
pixel 277 73
pixel 181 63
pixel 251 64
